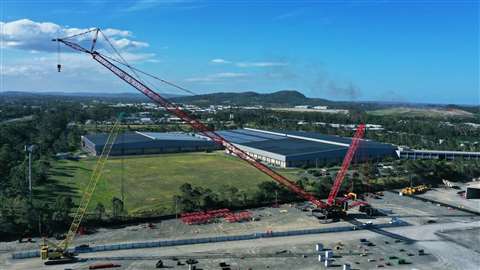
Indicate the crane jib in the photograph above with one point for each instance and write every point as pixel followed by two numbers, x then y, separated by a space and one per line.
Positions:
pixel 200 127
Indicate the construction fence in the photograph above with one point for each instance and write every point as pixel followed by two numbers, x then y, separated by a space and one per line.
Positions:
pixel 203 240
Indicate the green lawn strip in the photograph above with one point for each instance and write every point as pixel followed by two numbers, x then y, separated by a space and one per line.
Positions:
pixel 152 181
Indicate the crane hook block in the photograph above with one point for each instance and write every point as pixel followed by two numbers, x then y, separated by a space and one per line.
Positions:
pixel 59 67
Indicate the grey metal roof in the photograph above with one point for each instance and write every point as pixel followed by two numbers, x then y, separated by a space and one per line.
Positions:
pixel 101 138
pixel 291 143
pixel 289 146
pixel 257 134
pixel 136 140
pixel 319 136
pixel 333 138
pixel 170 136
pixel 244 136
pixel 295 143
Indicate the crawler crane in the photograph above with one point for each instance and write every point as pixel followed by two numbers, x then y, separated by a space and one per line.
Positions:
pixel 54 253
pixel 333 208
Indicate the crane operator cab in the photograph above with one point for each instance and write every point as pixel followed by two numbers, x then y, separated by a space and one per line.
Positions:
pixel 55 255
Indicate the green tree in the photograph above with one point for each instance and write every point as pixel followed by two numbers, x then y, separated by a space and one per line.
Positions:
pixel 185 204
pixel 209 200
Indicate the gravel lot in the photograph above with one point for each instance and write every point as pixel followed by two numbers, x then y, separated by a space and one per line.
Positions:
pixel 429 225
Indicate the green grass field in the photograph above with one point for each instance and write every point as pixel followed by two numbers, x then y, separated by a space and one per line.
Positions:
pixel 151 181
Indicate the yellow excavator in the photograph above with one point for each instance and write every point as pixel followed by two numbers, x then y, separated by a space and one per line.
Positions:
pixel 408 191
pixel 53 253
pixel 351 195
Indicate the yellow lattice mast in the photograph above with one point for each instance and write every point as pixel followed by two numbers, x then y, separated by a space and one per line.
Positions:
pixel 52 251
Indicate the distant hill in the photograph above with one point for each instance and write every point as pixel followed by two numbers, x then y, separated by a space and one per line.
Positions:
pixel 280 98
pixel 285 98
pixel 77 96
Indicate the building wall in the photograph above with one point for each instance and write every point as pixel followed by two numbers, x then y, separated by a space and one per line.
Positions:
pixel 310 155
pixel 118 151
pixel 318 159
pixel 473 192
pixel 150 147
pixel 88 146
pixel 296 149
pixel 315 159
pixel 269 158
pixel 430 154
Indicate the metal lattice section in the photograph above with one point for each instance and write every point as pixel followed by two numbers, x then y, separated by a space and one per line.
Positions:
pixel 346 163
pixel 200 127
pixel 92 184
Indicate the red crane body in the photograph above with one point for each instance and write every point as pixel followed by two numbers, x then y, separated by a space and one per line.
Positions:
pixel 203 129
pixel 345 164
pixel 215 137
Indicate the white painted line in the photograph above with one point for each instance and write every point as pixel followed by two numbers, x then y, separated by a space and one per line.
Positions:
pixel 143 134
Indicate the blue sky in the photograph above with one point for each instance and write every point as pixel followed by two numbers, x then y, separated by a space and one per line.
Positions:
pixel 408 51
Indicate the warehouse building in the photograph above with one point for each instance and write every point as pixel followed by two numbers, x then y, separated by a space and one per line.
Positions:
pixel 298 148
pixel 281 149
pixel 405 153
pixel 145 143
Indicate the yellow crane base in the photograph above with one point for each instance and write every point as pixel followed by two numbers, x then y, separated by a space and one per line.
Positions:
pixel 56 256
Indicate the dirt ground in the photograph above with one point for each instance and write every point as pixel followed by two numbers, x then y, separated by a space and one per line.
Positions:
pixel 429 223
pixel 450 196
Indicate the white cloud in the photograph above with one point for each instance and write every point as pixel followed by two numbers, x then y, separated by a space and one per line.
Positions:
pixel 149 4
pixel 260 64
pixel 116 32
pixel 124 43
pixel 248 64
pixel 138 57
pixel 45 65
pixel 220 61
pixel 29 35
pixel 218 77
pixel 23 71
pixel 18 70
pixel 230 75
pixel 290 14
pixel 78 73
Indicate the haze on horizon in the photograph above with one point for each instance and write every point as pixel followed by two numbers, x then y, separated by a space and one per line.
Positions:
pixel 385 51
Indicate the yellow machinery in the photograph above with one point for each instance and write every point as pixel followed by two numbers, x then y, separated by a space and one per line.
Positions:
pixel 414 190
pixel 352 196
pixel 58 253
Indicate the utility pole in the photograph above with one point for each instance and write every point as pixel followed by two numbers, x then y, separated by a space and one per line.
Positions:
pixel 122 185
pixel 176 208
pixel 30 149
pixel 276 198
pixel 30 173
pixel 122 164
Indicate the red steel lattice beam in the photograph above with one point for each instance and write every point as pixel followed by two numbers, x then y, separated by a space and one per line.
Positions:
pixel 346 163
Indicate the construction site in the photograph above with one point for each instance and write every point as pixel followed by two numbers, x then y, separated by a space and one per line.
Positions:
pixel 416 227
pixel 410 233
